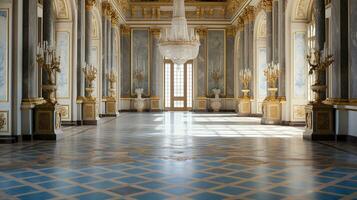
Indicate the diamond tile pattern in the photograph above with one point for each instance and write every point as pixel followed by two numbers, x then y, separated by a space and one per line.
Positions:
pixel 177 156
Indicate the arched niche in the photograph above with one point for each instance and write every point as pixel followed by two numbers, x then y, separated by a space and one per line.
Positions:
pixel 65 15
pixel 259 52
pixel 297 19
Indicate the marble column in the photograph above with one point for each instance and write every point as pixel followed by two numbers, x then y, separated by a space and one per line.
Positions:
pixel 281 47
pixel 269 31
pixel 156 79
pixel 246 44
pixel 320 16
pixel 48 21
pixel 353 49
pixel 339 49
pixel 202 63
pixel 125 62
pixel 81 49
pixel 231 32
pixel 104 48
pixel 250 51
pixel 30 71
pixel 156 63
pixel 275 31
pixel 240 54
pixel 88 31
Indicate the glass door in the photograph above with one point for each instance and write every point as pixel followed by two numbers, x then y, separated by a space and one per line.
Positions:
pixel 178 86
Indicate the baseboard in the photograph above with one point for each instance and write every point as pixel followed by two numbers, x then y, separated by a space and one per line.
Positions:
pixel 107 115
pixel 291 123
pixel 8 139
pixel 72 123
pixel 319 137
pixel 347 138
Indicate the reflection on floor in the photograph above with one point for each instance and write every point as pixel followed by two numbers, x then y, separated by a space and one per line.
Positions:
pixel 178 156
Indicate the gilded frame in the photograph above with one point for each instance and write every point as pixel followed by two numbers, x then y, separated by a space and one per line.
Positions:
pixel 225 62
pixel 148 60
pixel 7 57
pixel 70 67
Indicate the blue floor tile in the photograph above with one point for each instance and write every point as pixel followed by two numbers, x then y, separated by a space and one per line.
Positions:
pixel 131 179
pixel 24 174
pixel 84 179
pixel 207 196
pixel 178 191
pixel 231 190
pixel 103 185
pixel 150 196
pixel 203 185
pixel 94 196
pixel 72 190
pixel 338 190
pixel 352 184
pixel 322 196
pixel 54 184
pixel 37 196
pixel 38 179
pixel 153 185
pixel 20 190
pixel 9 184
pixel 265 196
pixel 126 190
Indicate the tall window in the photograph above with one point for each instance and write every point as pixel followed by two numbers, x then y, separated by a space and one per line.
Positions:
pixel 178 86
pixel 311 43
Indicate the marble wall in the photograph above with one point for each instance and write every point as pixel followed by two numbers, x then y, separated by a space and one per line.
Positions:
pixel 4 49
pixel 202 67
pixel 353 49
pixel 140 60
pixel 63 78
pixel 125 66
pixel 216 62
pixel 230 66
pixel 300 69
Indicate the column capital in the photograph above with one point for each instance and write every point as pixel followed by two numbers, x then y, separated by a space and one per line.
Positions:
pixel 231 30
pixel 267 5
pixel 155 32
pixel 90 4
pixel 240 24
pixel 248 14
pixel 125 29
pixel 202 31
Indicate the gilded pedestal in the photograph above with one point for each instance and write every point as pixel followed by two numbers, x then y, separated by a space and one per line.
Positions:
pixel 110 107
pixel 271 112
pixel 89 112
pixel 319 122
pixel 155 104
pixel 47 122
pixel 244 104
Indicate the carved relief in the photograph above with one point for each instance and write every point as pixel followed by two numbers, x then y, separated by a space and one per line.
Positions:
pixel 302 10
pixel 95 28
pixel 61 9
pixel 3 121
pixel 299 112
pixel 308 120
pixel 262 28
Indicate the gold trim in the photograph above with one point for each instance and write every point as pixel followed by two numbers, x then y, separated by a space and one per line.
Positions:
pixel 69 77
pixel 224 63
pixel 339 101
pixel 33 101
pixel 90 4
pixel 148 60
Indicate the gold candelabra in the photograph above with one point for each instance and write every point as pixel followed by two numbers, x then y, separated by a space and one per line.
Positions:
pixel 245 76
pixel 112 78
pixel 319 61
pixel 216 77
pixel 90 73
pixel 139 77
pixel 2 121
pixel 49 62
pixel 272 73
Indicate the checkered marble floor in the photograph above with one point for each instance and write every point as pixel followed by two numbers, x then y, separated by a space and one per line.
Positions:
pixel 178 156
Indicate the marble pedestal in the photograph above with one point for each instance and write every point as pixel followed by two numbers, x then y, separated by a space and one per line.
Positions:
pixel 244 106
pixel 155 104
pixel 89 112
pixel 319 122
pixel 47 122
pixel 271 112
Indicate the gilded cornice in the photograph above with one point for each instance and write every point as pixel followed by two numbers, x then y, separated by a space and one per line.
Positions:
pixel 267 5
pixel 248 14
pixel 155 32
pixel 90 4
pixel 202 31
pixel 231 30
pixel 125 29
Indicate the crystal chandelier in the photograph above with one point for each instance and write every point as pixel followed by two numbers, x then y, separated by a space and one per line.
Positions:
pixel 178 43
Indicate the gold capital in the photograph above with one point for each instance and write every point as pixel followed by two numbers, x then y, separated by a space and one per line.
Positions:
pixel 202 31
pixel 267 5
pixel 125 29
pixel 90 4
pixel 155 32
